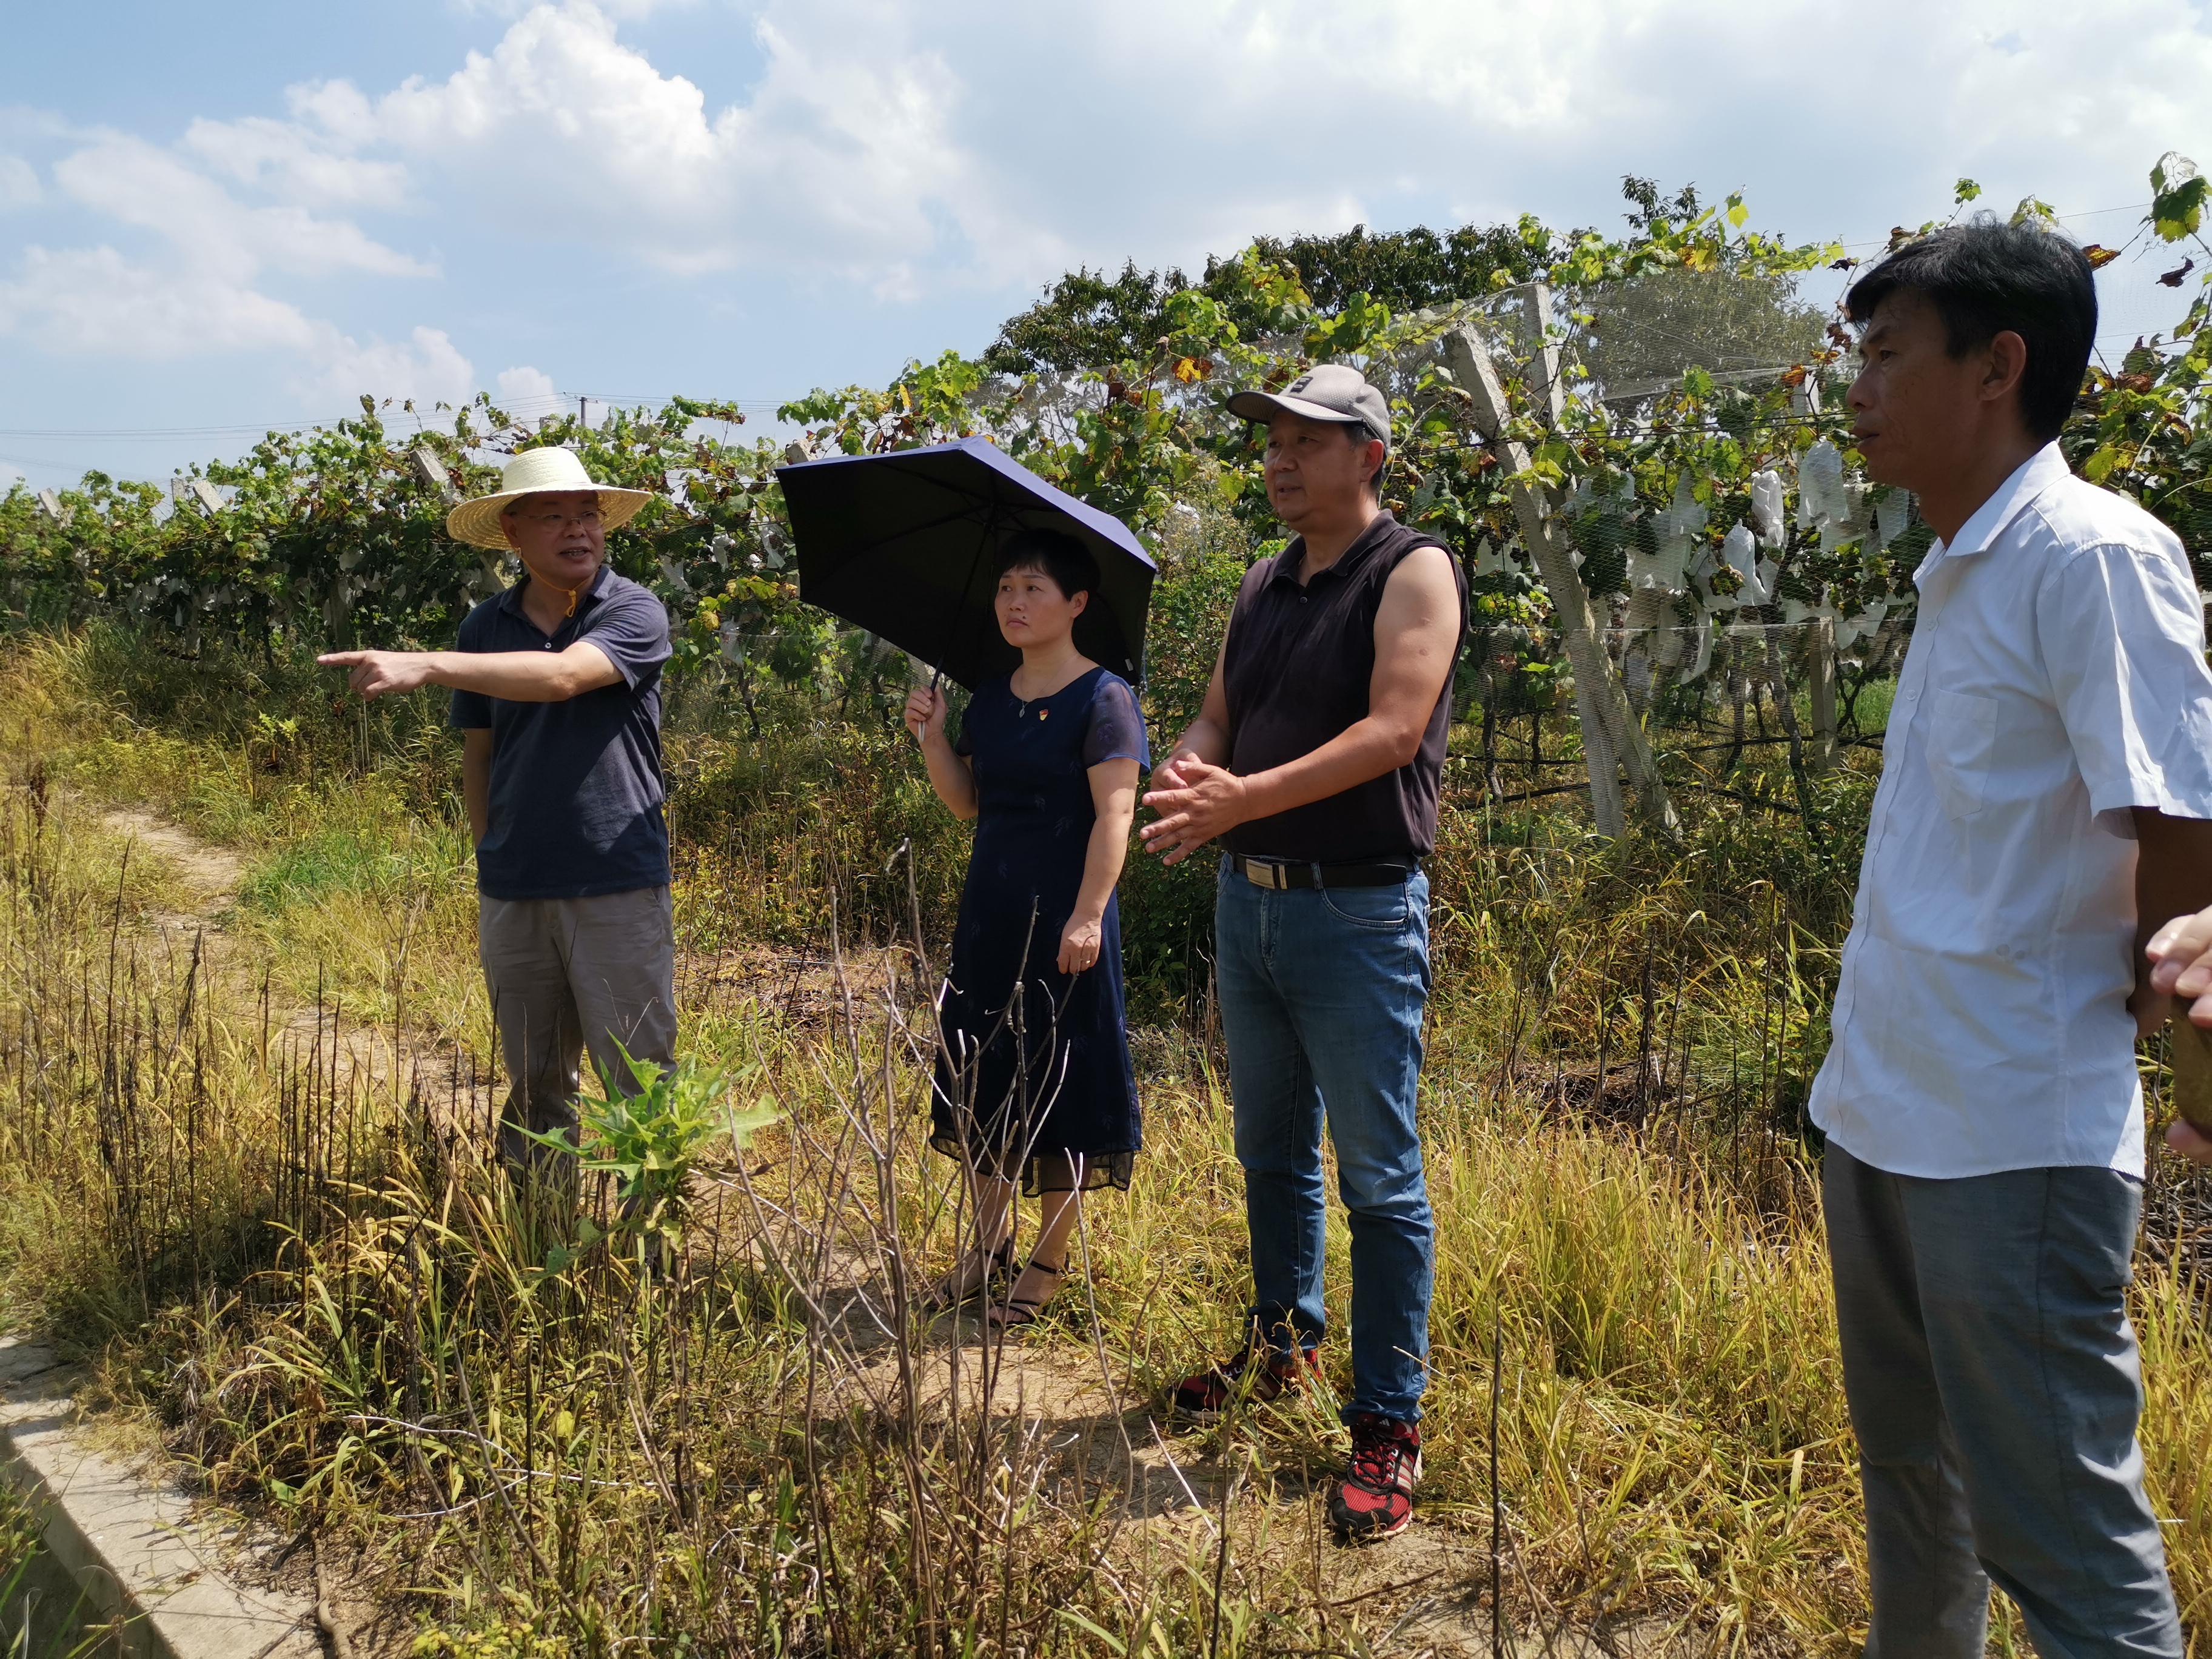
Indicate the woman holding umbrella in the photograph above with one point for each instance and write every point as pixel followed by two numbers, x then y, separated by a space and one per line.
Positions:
pixel 1034 1082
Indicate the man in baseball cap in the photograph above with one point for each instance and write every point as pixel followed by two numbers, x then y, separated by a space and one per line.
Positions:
pixel 556 693
pixel 1316 761
pixel 1331 393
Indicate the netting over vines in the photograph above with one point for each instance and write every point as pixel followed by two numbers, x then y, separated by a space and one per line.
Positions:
pixel 1640 456
pixel 1709 696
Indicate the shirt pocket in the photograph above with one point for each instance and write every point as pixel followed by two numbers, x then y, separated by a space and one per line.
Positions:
pixel 1962 736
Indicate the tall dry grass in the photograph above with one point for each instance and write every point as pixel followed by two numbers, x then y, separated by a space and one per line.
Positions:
pixel 337 1311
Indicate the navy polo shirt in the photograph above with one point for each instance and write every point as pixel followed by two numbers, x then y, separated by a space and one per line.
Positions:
pixel 575 785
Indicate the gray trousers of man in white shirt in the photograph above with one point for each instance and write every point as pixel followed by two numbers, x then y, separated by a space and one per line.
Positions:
pixel 1995 1385
pixel 570 976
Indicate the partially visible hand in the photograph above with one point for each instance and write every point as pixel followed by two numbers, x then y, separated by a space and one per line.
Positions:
pixel 1199 803
pixel 1169 773
pixel 2181 958
pixel 375 672
pixel 924 713
pixel 2186 1137
pixel 2151 1010
pixel 1078 946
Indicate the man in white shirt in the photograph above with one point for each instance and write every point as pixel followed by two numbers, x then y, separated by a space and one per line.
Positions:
pixel 2047 782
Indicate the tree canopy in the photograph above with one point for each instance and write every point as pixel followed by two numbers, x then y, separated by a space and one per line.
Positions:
pixel 1087 319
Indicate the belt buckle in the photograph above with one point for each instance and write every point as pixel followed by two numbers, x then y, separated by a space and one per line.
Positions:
pixel 1266 873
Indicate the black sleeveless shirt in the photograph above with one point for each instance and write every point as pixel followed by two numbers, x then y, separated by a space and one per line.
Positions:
pixel 1296 670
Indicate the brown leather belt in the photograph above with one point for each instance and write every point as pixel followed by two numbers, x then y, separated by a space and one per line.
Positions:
pixel 1278 873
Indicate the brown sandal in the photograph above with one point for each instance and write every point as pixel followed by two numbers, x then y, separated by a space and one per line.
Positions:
pixel 1017 1311
pixel 977 1273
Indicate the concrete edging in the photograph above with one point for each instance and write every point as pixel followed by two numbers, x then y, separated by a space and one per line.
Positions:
pixel 133 1546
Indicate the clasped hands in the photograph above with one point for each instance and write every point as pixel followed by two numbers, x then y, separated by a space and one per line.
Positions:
pixel 1195 802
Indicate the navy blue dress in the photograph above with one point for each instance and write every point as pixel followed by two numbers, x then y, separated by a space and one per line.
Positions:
pixel 1035 1064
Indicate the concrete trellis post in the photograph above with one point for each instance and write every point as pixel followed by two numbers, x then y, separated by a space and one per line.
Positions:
pixel 434 474
pixel 1612 737
pixel 183 490
pixel 1547 388
pixel 1821 671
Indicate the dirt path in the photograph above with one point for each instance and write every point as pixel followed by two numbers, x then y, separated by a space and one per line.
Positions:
pixel 364 1057
pixel 215 872
pixel 211 878
pixel 1429 1586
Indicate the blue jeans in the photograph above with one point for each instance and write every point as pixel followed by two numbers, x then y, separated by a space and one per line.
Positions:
pixel 1994 1385
pixel 1321 993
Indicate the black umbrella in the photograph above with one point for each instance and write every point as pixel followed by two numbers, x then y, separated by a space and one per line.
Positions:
pixel 902 545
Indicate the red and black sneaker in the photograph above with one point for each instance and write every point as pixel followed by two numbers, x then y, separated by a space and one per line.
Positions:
pixel 1256 1376
pixel 1375 1499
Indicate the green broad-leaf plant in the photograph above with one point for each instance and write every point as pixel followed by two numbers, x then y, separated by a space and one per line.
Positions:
pixel 2143 429
pixel 654 1139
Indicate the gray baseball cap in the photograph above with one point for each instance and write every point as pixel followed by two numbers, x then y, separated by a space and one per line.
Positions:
pixel 1328 391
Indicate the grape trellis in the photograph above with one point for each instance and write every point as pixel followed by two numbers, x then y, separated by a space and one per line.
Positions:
pixel 1646 512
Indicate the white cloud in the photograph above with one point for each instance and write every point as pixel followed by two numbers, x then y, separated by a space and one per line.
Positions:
pixel 980 143
pixel 617 8
pixel 525 388
pixel 285 159
pixel 1496 107
pixel 846 158
pixel 141 185
pixel 429 369
pixel 925 153
pixel 200 294
pixel 18 183
pixel 95 302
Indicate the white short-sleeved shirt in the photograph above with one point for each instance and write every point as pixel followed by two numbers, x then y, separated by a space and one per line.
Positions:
pixel 2056 678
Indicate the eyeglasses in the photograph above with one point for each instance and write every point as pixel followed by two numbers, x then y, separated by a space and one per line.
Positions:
pixel 587 520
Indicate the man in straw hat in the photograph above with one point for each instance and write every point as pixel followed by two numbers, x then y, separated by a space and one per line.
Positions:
pixel 556 692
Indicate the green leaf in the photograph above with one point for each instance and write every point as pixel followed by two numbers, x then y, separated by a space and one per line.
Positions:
pixel 1964 191
pixel 2176 206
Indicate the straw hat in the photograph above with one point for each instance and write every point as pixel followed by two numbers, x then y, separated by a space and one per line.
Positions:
pixel 532 473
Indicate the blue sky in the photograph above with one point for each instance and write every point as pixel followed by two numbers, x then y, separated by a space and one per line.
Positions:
pixel 213 219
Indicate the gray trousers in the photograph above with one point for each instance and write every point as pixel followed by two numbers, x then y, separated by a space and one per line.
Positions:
pixel 1994 1384
pixel 568 977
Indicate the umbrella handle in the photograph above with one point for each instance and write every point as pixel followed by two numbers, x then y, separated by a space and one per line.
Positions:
pixel 935 675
